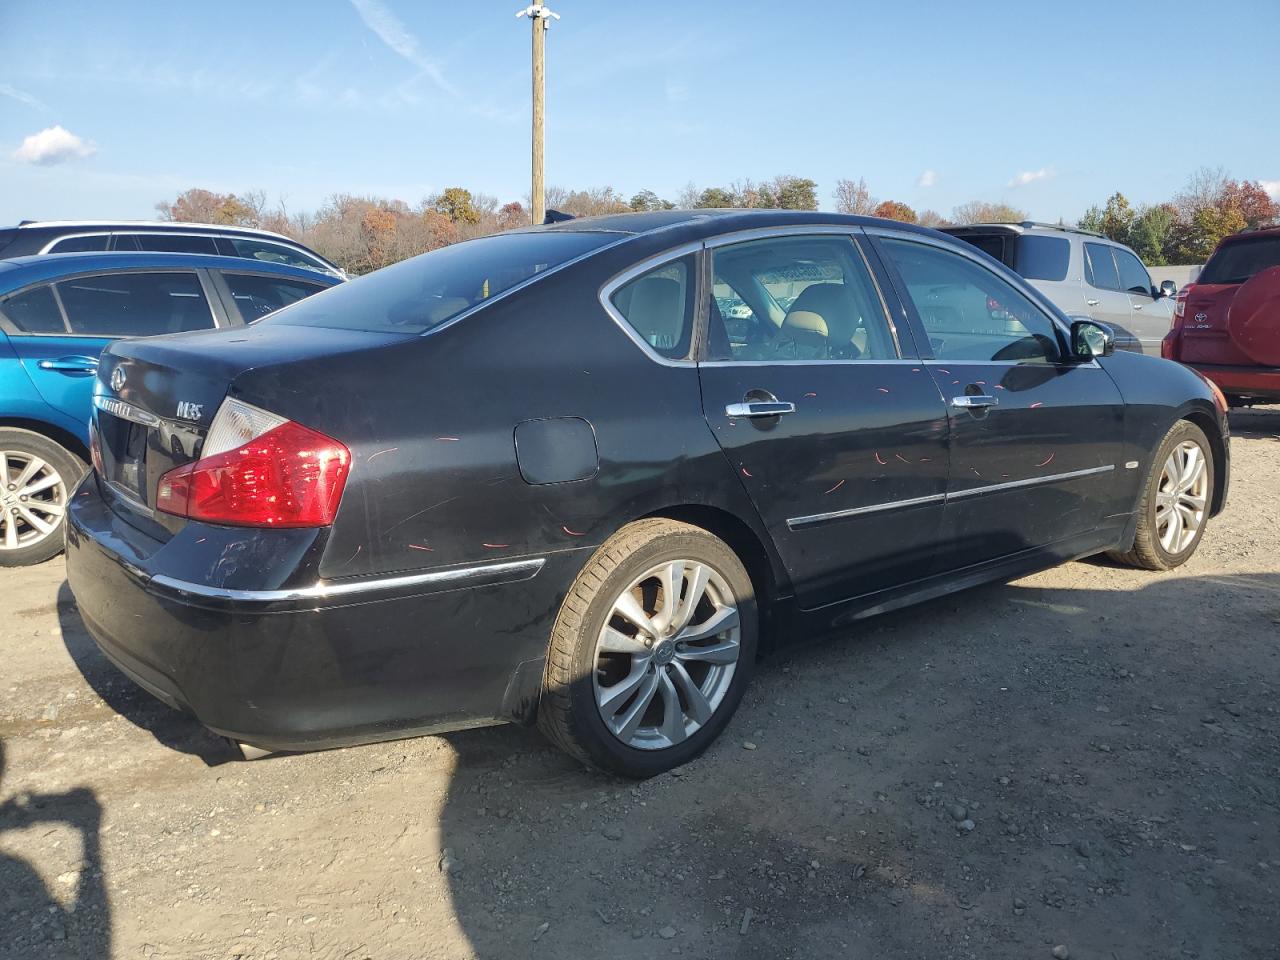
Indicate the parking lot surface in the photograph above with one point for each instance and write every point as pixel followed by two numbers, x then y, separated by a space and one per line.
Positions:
pixel 1087 759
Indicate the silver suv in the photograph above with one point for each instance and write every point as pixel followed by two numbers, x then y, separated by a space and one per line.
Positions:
pixel 1085 275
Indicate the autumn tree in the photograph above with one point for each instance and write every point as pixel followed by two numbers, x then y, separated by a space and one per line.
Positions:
pixel 204 206
pixel 852 196
pixel 513 215
pixel 795 193
pixel 1117 218
pixel 648 200
pixel 456 203
pixel 982 211
pixel 932 218
pixel 1253 202
pixel 895 210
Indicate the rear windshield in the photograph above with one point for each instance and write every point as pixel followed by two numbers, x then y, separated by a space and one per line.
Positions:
pixel 1043 258
pixel 416 295
pixel 1239 260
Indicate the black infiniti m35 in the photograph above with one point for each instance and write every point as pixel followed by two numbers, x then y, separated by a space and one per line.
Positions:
pixel 583 474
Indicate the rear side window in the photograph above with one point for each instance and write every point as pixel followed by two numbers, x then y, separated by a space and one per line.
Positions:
pixel 256 296
pixel 992 244
pixel 135 304
pixel 1043 258
pixel 81 244
pixel 273 253
pixel 658 306
pixel 417 295
pixel 1099 267
pixel 34 311
pixel 170 242
pixel 1239 260
pixel 1133 275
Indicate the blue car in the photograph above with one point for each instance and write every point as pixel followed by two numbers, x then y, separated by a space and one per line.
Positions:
pixel 57 313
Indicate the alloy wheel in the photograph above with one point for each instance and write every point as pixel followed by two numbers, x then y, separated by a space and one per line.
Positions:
pixel 33 499
pixel 1181 497
pixel 666 655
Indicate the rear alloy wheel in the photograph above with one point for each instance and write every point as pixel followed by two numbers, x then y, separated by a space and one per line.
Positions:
pixel 1176 502
pixel 36 480
pixel 652 650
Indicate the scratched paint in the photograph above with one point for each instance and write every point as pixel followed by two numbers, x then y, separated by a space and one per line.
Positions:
pixel 375 456
pixel 572 533
pixel 902 458
pixel 419 546
pixel 808 395
pixel 1047 461
pixel 746 472
pixel 448 439
pixel 495 546
pixel 833 489
pixel 1038 403
pixel 883 389
pixel 880 460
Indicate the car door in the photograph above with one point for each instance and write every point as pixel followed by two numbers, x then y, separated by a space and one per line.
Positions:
pixel 1034 434
pixel 65 325
pixel 1151 315
pixel 1105 299
pixel 833 428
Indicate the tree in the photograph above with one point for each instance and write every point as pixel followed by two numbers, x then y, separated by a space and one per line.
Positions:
pixel 932 218
pixel 648 200
pixel 513 215
pixel 1204 188
pixel 982 211
pixel 1253 202
pixel 1117 218
pixel 1194 241
pixel 204 206
pixel 1152 232
pixel 852 196
pixel 895 210
pixel 795 193
pixel 457 204
pixel 1092 220
pixel 715 198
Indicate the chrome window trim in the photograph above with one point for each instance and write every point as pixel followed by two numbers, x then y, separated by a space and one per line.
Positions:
pixel 505 572
pixel 320 265
pixel 610 287
pixel 477 307
pixel 958 250
pixel 899 361
pixel 799 523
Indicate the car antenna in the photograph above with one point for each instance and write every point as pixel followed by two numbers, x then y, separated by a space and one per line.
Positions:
pixel 557 216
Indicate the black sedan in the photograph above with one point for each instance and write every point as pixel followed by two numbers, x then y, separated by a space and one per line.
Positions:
pixel 583 474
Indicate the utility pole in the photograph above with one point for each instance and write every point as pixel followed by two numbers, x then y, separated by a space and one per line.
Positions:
pixel 540 17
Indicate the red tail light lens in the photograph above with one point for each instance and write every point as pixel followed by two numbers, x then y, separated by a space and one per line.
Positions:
pixel 286 476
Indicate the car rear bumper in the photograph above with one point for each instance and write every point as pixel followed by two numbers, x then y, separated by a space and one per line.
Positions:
pixel 1243 381
pixel 338 663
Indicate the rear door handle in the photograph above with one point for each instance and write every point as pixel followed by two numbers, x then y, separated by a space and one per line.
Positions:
pixel 70 364
pixel 972 401
pixel 759 408
pixel 1093 303
pixel 1137 306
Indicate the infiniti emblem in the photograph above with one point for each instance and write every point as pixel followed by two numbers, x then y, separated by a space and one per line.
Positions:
pixel 118 379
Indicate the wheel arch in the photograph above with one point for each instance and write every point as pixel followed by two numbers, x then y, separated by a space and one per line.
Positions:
pixel 1217 446
pixel 64 438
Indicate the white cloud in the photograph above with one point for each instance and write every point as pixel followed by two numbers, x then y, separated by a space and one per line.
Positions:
pixel 13 93
pixel 390 29
pixel 53 145
pixel 1272 187
pixel 1029 176
pixel 927 179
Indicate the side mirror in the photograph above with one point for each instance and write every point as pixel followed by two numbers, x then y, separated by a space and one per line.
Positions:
pixel 1168 288
pixel 1091 339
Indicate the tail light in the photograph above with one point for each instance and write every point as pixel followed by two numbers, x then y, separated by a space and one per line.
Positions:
pixel 1171 345
pixel 258 470
pixel 1180 304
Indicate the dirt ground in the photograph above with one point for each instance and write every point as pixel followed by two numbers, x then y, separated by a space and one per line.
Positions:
pixel 1087 759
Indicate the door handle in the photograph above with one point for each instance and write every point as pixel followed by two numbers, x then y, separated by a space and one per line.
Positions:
pixel 1093 303
pixel 70 364
pixel 973 401
pixel 759 408
pixel 1137 306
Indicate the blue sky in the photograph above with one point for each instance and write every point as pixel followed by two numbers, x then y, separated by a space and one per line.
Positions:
pixel 1049 106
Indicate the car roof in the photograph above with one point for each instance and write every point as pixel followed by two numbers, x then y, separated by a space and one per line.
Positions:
pixel 1028 226
pixel 176 225
pixel 715 221
pixel 18 271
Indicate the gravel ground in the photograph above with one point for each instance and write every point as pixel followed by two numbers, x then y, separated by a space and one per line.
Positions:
pixel 1085 762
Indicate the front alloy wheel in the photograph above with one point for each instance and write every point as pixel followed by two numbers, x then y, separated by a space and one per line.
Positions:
pixel 652 650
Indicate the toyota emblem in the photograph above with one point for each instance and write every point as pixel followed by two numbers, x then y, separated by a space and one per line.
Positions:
pixel 1201 317
pixel 118 379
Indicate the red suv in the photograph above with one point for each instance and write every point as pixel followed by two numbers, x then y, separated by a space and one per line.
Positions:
pixel 1227 324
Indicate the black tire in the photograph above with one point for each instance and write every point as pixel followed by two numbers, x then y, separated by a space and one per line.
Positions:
pixel 1147 552
pixel 20 445
pixel 568 714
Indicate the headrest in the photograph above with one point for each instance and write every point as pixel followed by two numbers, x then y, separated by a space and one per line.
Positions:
pixel 656 310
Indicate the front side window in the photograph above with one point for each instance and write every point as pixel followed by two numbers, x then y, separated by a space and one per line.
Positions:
pixel 170 242
pixel 256 296
pixel 1043 258
pixel 34 311
pixel 135 304
pixel 81 244
pixel 1133 275
pixel 969 312
pixel 658 306
pixel 790 299
pixel 417 295
pixel 1100 268
pixel 251 249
